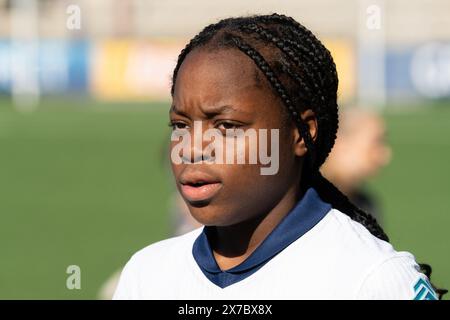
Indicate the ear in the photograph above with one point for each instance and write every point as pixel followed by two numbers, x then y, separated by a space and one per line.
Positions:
pixel 309 118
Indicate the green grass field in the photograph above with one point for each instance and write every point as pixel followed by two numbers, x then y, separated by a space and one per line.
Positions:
pixel 85 183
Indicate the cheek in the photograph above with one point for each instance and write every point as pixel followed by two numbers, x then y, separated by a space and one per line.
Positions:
pixel 238 177
pixel 269 177
pixel 249 192
pixel 175 167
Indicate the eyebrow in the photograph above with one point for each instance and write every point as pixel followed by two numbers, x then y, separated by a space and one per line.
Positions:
pixel 220 109
pixel 210 110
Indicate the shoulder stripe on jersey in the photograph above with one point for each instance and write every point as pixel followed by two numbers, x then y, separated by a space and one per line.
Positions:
pixel 424 291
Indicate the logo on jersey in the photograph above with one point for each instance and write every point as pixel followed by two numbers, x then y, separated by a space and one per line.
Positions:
pixel 424 291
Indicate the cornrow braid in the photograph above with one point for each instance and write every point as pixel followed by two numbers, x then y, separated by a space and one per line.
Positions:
pixel 282 45
pixel 316 50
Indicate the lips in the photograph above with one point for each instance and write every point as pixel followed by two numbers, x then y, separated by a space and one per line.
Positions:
pixel 199 186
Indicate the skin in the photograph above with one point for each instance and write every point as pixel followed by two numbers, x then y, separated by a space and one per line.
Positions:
pixel 248 205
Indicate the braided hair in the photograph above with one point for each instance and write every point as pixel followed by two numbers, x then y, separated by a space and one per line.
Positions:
pixel 302 73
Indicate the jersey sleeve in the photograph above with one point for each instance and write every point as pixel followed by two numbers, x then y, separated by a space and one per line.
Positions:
pixel 127 288
pixel 397 278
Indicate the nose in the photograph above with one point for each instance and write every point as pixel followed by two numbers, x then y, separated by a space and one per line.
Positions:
pixel 194 155
pixel 196 152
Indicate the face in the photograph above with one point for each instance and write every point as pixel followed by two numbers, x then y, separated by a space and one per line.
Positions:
pixel 374 151
pixel 363 151
pixel 220 90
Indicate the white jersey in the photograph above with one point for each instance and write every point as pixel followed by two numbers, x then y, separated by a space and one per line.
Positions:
pixel 315 252
pixel 337 259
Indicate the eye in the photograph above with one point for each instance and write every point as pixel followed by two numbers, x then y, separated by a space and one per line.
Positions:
pixel 224 125
pixel 178 125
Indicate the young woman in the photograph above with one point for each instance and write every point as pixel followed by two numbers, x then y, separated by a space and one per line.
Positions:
pixel 286 235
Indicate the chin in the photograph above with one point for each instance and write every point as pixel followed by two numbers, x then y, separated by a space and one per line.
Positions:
pixel 211 216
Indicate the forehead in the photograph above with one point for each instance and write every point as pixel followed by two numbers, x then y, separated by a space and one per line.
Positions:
pixel 212 75
pixel 214 65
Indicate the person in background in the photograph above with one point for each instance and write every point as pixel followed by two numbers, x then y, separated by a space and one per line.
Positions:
pixel 360 151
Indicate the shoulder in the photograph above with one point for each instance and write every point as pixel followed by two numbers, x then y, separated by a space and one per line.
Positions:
pixel 165 248
pixel 397 277
pixel 150 263
pixel 352 239
pixel 381 271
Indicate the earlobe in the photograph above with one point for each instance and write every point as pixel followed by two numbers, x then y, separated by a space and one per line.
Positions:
pixel 309 118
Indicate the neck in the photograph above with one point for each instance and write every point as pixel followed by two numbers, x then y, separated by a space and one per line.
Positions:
pixel 233 244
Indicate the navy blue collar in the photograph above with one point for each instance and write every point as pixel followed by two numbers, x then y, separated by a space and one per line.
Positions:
pixel 302 218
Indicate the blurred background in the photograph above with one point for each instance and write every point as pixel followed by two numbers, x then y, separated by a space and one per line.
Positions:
pixel 84 97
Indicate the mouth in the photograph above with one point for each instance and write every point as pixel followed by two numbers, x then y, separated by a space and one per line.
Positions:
pixel 199 189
